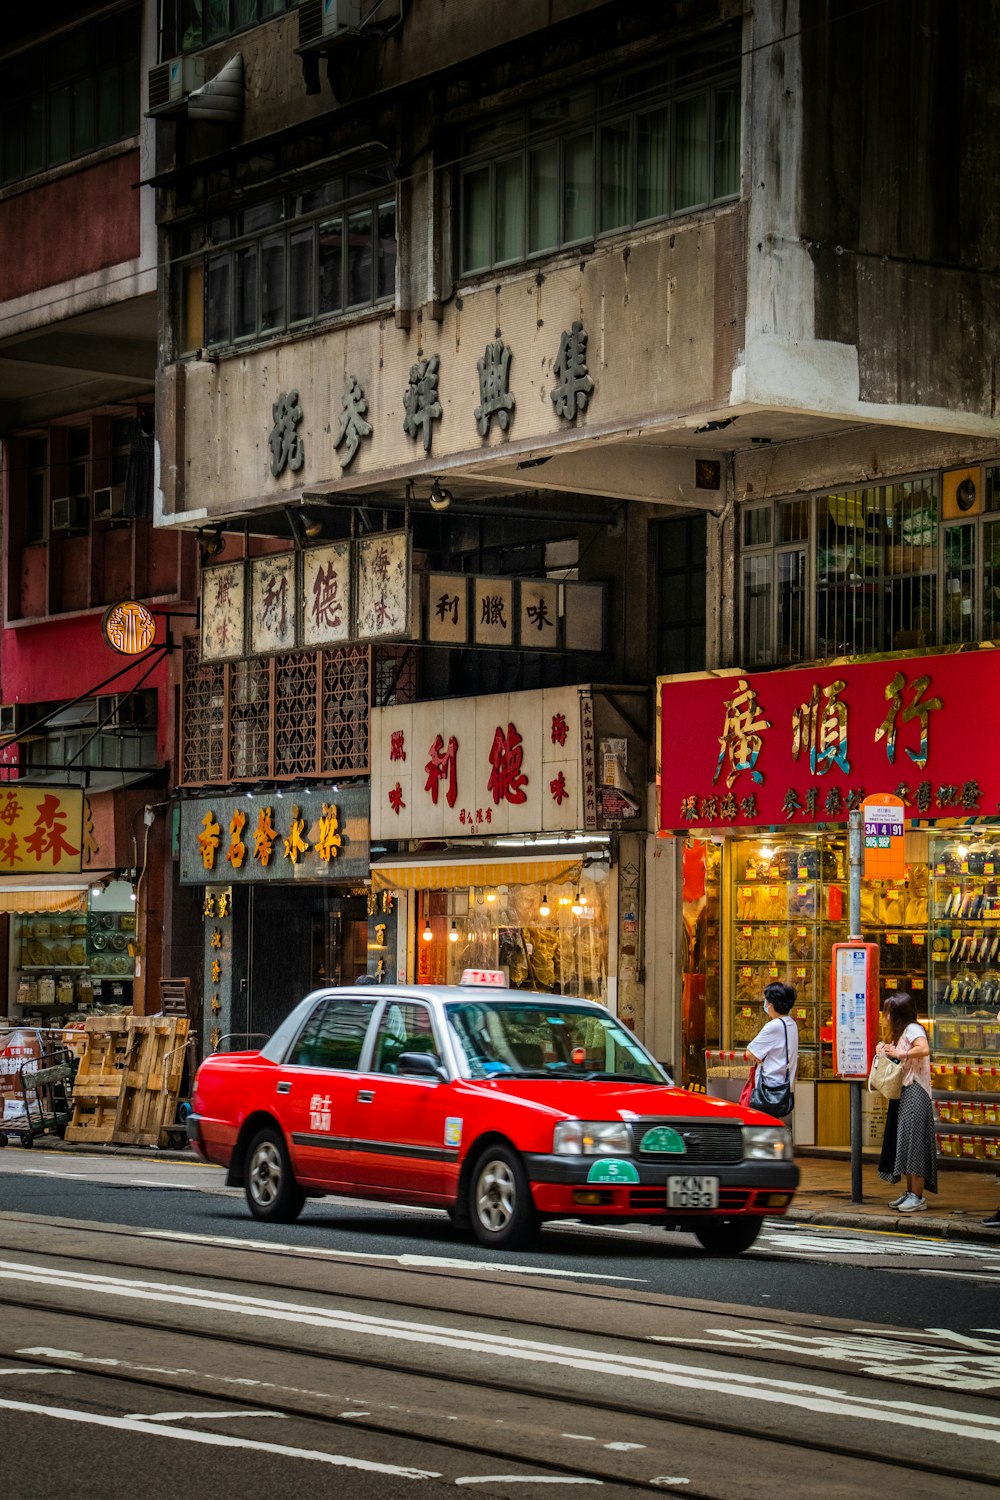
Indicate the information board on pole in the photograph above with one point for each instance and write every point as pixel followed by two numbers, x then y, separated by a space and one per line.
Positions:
pixel 883 833
pixel 854 995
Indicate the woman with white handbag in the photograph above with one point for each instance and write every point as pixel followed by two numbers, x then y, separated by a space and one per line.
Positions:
pixel 916 1150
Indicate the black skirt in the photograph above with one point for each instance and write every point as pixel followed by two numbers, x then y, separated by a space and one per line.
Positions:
pixel 912 1150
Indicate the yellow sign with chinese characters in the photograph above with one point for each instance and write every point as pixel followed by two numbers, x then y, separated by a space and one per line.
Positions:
pixel 41 830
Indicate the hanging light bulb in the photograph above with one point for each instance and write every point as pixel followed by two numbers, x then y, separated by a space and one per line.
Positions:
pixel 577 904
pixel 427 934
pixel 545 908
pixel 491 896
pixel 453 934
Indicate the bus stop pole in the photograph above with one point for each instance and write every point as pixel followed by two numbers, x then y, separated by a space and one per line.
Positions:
pixel 854 936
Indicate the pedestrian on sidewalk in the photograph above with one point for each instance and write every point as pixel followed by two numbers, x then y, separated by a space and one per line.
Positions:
pixel 916 1151
pixel 775 1048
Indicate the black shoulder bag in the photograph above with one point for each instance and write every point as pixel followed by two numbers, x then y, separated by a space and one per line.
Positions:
pixel 774 1099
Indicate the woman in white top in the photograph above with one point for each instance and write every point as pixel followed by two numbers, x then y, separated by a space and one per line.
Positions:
pixel 775 1048
pixel 916 1149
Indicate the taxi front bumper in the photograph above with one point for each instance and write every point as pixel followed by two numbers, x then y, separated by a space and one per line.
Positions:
pixel 565 1185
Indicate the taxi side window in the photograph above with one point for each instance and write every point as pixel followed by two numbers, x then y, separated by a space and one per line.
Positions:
pixel 403 1028
pixel 334 1035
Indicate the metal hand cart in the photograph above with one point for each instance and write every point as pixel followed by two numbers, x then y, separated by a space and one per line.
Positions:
pixel 46 1087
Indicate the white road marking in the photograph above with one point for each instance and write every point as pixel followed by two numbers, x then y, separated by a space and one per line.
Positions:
pixel 664 1479
pixel 348 1416
pixel 825 1399
pixel 624 1447
pixel 198 1416
pixel 444 1262
pixel 578 1437
pixel 31 1370
pixel 173 1187
pixel 70 1176
pixel 524 1479
pixel 883 1243
pixel 216 1439
pixel 954 1361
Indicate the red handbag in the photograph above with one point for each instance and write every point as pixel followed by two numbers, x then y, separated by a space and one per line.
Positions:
pixel 748 1086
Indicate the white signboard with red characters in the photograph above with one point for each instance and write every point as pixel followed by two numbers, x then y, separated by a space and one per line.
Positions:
pixel 477 767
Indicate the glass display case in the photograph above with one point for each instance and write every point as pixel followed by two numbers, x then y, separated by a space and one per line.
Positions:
pixel 67 962
pixel 965 992
pixel 789 906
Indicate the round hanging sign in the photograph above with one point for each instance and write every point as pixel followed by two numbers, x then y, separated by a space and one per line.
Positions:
pixel 129 627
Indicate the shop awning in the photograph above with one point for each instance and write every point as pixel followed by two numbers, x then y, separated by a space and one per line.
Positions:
pixel 423 874
pixel 44 892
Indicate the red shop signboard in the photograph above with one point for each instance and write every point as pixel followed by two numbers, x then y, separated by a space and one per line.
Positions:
pixel 801 747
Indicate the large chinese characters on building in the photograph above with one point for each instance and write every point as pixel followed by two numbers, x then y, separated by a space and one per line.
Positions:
pixel 807 746
pixel 514 763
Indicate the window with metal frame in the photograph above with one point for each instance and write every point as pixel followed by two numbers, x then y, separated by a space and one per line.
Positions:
pixel 189 24
pixel 287 262
pixel 70 95
pixel 628 150
pixel 859 571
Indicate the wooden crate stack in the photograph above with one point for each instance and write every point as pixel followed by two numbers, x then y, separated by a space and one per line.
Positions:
pixel 129 1079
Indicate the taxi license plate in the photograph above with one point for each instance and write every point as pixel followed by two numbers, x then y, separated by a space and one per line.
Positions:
pixel 692 1192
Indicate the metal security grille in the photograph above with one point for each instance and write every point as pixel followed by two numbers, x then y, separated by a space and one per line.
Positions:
pixel 720 1145
pixel 297 716
pixel 202 729
pixel 345 706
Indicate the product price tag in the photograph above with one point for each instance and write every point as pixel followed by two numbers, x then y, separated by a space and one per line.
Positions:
pixel 939 869
pixel 918 984
pixel 747 931
pixel 918 939
pixel 892 937
pixel 773 971
pixel 803 890
pixel 965 867
pixel 800 973
pixel 989 868
pixel 774 932
pixel 746 973
pixel 803 871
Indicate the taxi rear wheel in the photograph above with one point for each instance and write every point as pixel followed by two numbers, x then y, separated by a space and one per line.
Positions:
pixel 272 1192
pixel 500 1209
pixel 728 1236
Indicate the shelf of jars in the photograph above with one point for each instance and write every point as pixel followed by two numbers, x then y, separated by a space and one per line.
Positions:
pixel 964 991
pixel 72 962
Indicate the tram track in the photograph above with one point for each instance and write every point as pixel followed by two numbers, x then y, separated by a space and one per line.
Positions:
pixel 564 1407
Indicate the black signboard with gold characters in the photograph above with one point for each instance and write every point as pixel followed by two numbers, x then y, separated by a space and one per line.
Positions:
pixel 318 833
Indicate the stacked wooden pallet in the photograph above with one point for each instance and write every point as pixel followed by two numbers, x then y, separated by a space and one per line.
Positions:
pixel 129 1079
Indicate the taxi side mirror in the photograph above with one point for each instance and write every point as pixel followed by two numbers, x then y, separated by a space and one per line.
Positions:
pixel 420 1065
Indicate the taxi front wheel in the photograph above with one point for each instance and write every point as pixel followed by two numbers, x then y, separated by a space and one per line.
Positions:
pixel 728 1236
pixel 271 1189
pixel 501 1212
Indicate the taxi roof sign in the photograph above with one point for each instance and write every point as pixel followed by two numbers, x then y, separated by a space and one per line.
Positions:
pixel 495 979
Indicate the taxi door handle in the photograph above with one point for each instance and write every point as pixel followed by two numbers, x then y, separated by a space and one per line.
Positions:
pixel 366 1096
pixel 284 1087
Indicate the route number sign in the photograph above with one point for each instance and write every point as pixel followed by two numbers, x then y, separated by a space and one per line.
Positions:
pixel 883 834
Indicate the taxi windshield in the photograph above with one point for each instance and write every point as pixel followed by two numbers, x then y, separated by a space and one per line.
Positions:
pixel 515 1038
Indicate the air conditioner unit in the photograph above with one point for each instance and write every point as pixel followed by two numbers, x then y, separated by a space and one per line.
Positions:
pixel 71 513
pixel 319 19
pixel 109 502
pixel 174 79
pixel 13 718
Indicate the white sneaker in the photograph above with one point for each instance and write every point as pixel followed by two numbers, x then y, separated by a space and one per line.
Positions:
pixel 911 1204
pixel 898 1202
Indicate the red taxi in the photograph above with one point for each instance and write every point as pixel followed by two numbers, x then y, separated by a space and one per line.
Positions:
pixel 501 1106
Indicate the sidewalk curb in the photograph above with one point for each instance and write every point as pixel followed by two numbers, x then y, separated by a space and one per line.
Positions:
pixel 919 1225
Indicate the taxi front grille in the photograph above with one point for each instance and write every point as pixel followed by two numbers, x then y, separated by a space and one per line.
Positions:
pixel 704 1145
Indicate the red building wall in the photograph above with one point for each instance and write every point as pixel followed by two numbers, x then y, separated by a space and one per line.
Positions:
pixel 70 227
pixel 66 659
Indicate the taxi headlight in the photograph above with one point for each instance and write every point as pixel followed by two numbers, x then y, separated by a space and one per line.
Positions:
pixel 767 1143
pixel 591 1138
